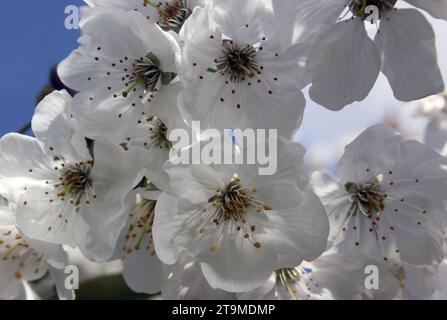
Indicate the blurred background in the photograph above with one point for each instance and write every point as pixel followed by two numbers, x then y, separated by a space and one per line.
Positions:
pixel 34 39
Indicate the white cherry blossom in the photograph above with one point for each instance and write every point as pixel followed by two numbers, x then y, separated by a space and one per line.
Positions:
pixel 240 226
pixel 122 62
pixel 235 73
pixel 185 281
pixel 63 193
pixel 23 259
pixel 344 62
pixel 170 15
pixel 142 269
pixel 388 204
pixel 325 278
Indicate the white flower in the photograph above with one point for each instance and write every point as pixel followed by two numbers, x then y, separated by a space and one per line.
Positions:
pixel 63 194
pixel 170 15
pixel 142 269
pixel 366 278
pixel 123 61
pixel 344 62
pixel 153 131
pixel 435 108
pixel 23 259
pixel 322 279
pixel 150 130
pixel 240 226
pixel 403 281
pixel 286 284
pixel 185 281
pixel 235 73
pixel 389 200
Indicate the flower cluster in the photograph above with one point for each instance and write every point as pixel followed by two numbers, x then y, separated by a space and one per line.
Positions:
pixel 104 172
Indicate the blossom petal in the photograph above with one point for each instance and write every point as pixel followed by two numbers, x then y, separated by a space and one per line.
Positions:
pixel 437 8
pixel 143 272
pixel 370 154
pixel 245 22
pixel 53 126
pixel 237 266
pixel 338 78
pixel 298 21
pixel 410 63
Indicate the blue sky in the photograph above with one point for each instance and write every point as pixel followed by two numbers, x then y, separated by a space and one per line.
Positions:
pixel 33 39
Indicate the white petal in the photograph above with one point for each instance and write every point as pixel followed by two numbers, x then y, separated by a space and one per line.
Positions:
pixel 410 63
pixel 41 216
pixel 237 266
pixel 371 153
pixel 116 171
pixel 299 231
pixel 437 8
pixel 289 162
pixel 143 272
pixel 195 182
pixel 419 170
pixel 165 229
pixel 344 63
pixel 23 163
pixel 417 235
pixel 53 126
pixel 244 22
pixel 106 118
pixel 97 227
pixel 185 281
pixel 299 20
pixel 13 149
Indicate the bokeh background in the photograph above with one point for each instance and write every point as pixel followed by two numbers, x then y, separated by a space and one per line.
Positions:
pixel 34 39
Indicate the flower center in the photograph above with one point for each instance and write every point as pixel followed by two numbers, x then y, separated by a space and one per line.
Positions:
pixel 74 181
pixel 172 14
pixel 238 62
pixel 158 133
pixel 230 205
pixel 147 73
pixel 233 201
pixel 288 277
pixel 368 198
pixel 139 234
pixel 358 7
pixel 15 249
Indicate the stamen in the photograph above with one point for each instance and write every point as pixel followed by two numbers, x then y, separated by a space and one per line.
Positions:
pixel 231 205
pixel 368 198
pixel 158 133
pixel 288 277
pixel 139 234
pixel 17 250
pixel 147 73
pixel 75 182
pixel 358 7
pixel 172 14
pixel 238 62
